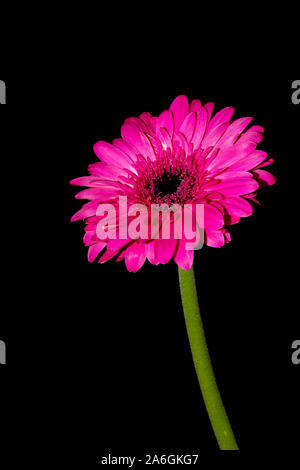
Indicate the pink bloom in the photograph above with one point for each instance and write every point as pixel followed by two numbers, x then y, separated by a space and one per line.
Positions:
pixel 183 156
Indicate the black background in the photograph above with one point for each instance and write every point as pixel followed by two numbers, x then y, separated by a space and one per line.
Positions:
pixel 98 358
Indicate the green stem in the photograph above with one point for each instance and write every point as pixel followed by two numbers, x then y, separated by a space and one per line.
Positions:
pixel 211 395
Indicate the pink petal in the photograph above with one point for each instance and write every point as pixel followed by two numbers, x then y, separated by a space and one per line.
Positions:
pixel 166 120
pixel 214 239
pixel 165 138
pixel 94 219
pixel 254 134
pixel 234 131
pixel 108 255
pixel 213 218
pixel 94 250
pixel 264 178
pixel 183 257
pixel 127 148
pixel 251 198
pixel 201 124
pixel 85 181
pixel 182 141
pixel 104 171
pixel 227 236
pixel 232 174
pixel 89 209
pixel 209 107
pixel 256 129
pixel 117 244
pixel 251 137
pixel 91 228
pixel 139 123
pixel 237 187
pixel 114 246
pixel 165 250
pixel 137 138
pixel 212 136
pixel 239 125
pixel 232 219
pixel 195 106
pixel 94 194
pixel 110 154
pixel 238 207
pixel 251 161
pixel 151 252
pixel 135 257
pixel 229 155
pixel 90 238
pixel 149 120
pixel 266 163
pixel 121 256
pixel 221 117
pixel 187 128
pixel 180 109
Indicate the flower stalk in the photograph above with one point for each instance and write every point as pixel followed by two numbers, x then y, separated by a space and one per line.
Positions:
pixel 211 395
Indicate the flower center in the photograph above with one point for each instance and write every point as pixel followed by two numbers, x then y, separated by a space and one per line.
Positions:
pixel 166 186
pixel 172 178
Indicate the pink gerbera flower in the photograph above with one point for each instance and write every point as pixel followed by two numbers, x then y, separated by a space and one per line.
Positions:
pixel 184 156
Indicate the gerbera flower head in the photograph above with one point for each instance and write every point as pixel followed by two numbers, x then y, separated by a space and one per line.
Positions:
pixel 185 157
